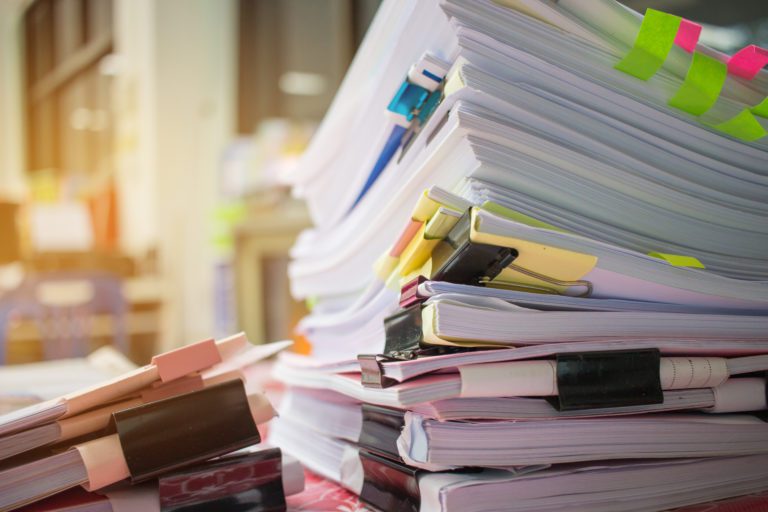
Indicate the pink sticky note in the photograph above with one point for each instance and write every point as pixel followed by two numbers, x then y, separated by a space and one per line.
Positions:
pixel 688 35
pixel 185 360
pixel 748 61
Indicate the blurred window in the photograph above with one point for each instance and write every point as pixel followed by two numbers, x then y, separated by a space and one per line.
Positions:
pixel 67 95
pixel 293 55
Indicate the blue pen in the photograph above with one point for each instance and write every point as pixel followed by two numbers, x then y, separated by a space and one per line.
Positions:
pixel 411 106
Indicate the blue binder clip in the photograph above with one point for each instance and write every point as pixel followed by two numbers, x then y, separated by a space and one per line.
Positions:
pixel 413 103
pixel 408 100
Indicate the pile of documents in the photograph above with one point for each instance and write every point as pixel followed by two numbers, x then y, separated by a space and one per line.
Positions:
pixel 178 434
pixel 538 267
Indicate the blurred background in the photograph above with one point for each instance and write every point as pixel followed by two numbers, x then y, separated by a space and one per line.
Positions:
pixel 142 144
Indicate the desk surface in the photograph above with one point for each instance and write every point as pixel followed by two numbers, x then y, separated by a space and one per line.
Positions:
pixel 321 494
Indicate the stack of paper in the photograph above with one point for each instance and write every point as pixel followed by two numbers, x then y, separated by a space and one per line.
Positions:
pixel 538 266
pixel 184 418
pixel 26 384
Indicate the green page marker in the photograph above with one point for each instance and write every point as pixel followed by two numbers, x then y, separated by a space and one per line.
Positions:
pixel 653 44
pixel 702 85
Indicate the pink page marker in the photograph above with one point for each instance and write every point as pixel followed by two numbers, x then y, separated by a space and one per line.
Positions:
pixel 748 61
pixel 688 35
pixel 185 360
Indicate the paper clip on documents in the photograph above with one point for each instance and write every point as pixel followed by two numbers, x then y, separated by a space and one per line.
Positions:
pixel 461 260
pixel 411 106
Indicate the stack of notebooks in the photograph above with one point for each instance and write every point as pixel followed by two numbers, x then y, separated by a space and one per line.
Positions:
pixel 178 434
pixel 538 267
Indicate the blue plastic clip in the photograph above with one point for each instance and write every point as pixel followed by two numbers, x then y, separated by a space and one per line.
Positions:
pixel 408 99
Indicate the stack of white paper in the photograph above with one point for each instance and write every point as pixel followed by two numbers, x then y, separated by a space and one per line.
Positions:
pixel 542 226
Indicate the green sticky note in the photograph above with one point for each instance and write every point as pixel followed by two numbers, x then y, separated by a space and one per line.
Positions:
pixel 702 85
pixel 653 44
pixel 522 218
pixel 678 260
pixel 761 109
pixel 743 126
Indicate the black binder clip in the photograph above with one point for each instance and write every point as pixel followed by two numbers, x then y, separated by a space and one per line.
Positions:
pixel 404 336
pixel 403 332
pixel 616 378
pixel 460 260
pixel 763 415
pixel 380 430
pixel 389 485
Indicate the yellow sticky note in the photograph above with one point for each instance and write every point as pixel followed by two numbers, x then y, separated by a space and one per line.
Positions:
pixel 440 225
pixel 431 335
pixel 678 260
pixel 425 208
pixel 425 270
pixel 420 254
pixel 384 266
pixel 454 83
pixel 550 261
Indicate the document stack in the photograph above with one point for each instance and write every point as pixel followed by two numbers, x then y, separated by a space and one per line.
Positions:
pixel 538 266
pixel 182 430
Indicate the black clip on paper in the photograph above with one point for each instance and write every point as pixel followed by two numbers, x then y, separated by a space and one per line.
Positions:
pixel 404 336
pixel 403 342
pixel 149 433
pixel 389 485
pixel 380 431
pixel 461 261
pixel 763 415
pixel 403 332
pixel 608 379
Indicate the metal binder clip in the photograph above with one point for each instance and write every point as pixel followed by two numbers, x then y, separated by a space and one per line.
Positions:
pixel 419 117
pixel 460 260
pixel 372 371
pixel 418 97
pixel 389 484
pixel 488 281
pixel 380 429
pixel 372 374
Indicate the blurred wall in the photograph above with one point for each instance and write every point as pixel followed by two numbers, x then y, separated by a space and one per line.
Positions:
pixel 175 95
pixel 11 125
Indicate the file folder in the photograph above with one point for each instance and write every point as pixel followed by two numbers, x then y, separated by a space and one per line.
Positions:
pixel 149 440
pixel 164 368
pixel 251 481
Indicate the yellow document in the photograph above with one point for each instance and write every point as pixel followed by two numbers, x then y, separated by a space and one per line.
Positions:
pixel 553 262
